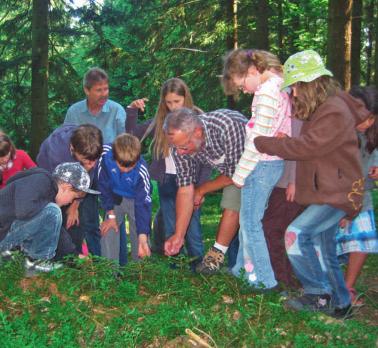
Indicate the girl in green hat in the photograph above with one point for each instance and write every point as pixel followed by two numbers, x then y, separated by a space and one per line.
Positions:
pixel 329 179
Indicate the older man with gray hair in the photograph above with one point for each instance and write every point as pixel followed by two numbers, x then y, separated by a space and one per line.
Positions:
pixel 215 138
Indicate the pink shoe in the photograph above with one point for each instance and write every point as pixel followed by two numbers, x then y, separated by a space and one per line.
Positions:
pixel 84 249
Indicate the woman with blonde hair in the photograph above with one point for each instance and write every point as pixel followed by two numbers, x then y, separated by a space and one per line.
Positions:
pixel 174 95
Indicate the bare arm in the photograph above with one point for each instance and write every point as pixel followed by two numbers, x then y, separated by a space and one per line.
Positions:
pixel 218 183
pixel 184 211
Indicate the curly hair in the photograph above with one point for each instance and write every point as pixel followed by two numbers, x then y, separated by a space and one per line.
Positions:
pixel 310 95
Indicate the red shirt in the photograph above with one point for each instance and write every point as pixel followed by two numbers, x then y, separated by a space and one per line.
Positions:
pixel 20 162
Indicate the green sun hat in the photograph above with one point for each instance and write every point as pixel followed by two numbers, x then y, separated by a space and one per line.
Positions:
pixel 304 66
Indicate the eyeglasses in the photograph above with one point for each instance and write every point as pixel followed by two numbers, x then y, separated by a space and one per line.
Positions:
pixel 242 86
pixel 127 164
pixel 184 147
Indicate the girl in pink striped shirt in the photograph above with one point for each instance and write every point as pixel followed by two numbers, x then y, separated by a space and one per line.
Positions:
pixel 257 72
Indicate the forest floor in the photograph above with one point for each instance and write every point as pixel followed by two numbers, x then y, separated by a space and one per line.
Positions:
pixel 151 304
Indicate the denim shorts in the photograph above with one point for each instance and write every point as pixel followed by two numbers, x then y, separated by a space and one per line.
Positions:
pixel 231 198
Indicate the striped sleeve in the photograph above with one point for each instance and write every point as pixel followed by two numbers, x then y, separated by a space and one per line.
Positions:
pixel 143 202
pixel 265 109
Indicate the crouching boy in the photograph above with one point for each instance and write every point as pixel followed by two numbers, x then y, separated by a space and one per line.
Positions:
pixel 125 188
pixel 30 214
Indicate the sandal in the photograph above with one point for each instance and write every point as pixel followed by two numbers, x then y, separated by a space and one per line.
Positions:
pixel 355 298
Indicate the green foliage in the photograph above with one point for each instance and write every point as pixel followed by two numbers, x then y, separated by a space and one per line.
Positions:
pixel 95 303
pixel 141 44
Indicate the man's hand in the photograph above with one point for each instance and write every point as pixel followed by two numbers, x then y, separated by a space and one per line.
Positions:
pixel 72 215
pixel 199 198
pixel 173 245
pixel 290 192
pixel 143 247
pixel 139 104
pixel 107 225
pixel 373 173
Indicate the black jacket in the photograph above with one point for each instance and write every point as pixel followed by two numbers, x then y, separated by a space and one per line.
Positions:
pixel 24 196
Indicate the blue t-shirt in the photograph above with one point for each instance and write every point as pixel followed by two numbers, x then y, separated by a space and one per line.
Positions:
pixel 110 120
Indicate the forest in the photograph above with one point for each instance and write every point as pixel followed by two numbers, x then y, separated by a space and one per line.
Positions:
pixel 46 46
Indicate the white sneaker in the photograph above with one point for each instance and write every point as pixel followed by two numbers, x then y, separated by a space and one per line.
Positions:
pixel 37 266
pixel 7 255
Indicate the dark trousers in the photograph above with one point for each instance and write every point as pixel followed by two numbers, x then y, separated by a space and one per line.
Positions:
pixel 71 240
pixel 279 214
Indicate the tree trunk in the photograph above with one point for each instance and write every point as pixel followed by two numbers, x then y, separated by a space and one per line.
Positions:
pixel 39 96
pixel 280 31
pixel 262 26
pixel 232 37
pixel 370 39
pixel 339 39
pixel 356 42
pixel 376 52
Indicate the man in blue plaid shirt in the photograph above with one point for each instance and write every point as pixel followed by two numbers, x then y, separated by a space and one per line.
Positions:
pixel 215 138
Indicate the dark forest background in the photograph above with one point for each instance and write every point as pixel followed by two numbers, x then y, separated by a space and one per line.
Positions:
pixel 46 47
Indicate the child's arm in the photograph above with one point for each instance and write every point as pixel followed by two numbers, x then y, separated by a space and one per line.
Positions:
pixel 327 134
pixel 106 197
pixel 143 247
pixel 142 210
pixel 27 162
pixel 73 214
pixel 266 109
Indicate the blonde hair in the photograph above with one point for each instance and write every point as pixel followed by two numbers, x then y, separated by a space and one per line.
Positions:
pixel 126 149
pixel 310 95
pixel 159 142
pixel 237 63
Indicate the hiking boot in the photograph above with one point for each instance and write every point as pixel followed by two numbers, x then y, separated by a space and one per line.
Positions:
pixel 312 303
pixel 343 313
pixel 37 266
pixel 212 262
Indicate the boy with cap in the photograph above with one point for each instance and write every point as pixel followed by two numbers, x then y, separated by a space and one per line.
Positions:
pixel 30 214
pixel 82 144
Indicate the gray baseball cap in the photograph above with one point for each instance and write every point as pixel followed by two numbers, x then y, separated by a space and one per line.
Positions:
pixel 74 174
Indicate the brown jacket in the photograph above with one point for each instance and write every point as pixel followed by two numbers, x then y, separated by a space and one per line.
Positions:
pixel 328 159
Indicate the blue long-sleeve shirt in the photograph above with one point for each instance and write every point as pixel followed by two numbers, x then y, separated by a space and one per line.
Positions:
pixel 134 184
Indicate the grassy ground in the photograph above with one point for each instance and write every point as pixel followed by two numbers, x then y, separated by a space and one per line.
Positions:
pixel 149 304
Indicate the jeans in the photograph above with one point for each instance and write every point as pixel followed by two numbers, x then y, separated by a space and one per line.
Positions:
pixel 232 252
pixel 88 227
pixel 253 256
pixel 193 238
pixel 38 236
pixel 123 258
pixel 311 248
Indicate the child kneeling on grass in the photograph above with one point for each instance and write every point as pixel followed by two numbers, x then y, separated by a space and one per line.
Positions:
pixel 125 188
pixel 30 214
